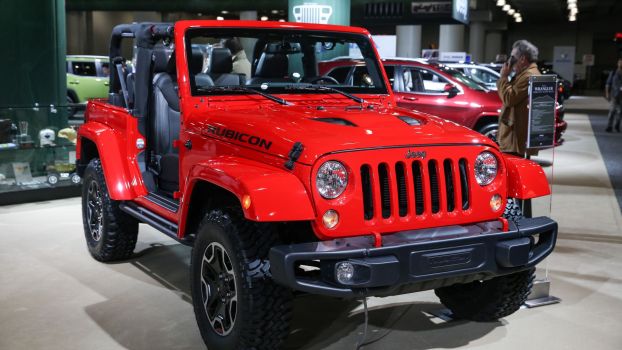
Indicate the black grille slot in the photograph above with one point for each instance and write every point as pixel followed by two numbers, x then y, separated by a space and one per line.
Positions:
pixel 449 185
pixel 402 196
pixel 385 192
pixel 368 190
pixel 464 183
pixel 434 188
pixel 418 181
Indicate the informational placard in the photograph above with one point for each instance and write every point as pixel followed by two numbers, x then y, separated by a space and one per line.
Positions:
pixel 542 97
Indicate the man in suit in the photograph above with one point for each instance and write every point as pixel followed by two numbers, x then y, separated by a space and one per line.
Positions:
pixel 514 118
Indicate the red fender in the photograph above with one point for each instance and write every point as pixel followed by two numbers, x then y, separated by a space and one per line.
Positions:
pixel 121 170
pixel 275 195
pixel 526 179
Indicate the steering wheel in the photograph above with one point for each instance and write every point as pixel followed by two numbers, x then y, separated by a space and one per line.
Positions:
pixel 324 78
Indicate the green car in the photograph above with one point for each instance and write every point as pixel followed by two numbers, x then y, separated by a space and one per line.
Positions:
pixel 87 78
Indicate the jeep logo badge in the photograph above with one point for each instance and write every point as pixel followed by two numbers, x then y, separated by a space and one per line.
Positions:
pixel 414 155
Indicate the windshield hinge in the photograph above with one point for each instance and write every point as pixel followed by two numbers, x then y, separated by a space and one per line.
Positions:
pixel 294 154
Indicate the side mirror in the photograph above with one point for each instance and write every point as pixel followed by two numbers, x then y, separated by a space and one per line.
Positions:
pixel 451 90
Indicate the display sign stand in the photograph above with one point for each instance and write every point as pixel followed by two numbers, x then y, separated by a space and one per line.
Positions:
pixel 541 134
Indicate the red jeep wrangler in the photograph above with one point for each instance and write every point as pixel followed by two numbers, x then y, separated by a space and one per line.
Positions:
pixel 223 135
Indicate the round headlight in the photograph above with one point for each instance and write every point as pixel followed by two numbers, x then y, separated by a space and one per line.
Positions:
pixel 485 168
pixel 331 179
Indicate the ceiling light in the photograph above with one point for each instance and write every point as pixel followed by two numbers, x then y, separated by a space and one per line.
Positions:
pixel 500 3
pixel 224 12
pixel 572 5
pixel 572 18
pixel 506 7
pixel 264 18
pixel 511 12
pixel 274 12
pixel 571 1
pixel 517 15
pixel 518 20
pixel 574 11
pixel 281 20
pixel 220 18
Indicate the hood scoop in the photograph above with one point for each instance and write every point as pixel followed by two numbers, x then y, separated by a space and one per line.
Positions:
pixel 337 121
pixel 410 120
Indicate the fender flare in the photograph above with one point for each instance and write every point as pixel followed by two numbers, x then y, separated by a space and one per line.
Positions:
pixel 274 194
pixel 525 178
pixel 121 171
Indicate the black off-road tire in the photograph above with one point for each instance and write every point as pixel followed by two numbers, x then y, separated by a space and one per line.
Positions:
pixel 110 233
pixel 513 210
pixel 490 300
pixel 262 307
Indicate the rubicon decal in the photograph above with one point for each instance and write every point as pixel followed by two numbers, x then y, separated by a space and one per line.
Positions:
pixel 237 135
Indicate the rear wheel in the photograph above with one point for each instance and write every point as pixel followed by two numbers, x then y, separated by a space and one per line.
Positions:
pixel 236 303
pixel 110 233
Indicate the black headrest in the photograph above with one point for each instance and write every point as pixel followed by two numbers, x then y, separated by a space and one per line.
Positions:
pixel 160 60
pixel 272 66
pixel 196 61
pixel 220 61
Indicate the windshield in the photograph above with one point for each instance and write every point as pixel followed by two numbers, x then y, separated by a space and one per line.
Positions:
pixel 280 61
pixel 473 84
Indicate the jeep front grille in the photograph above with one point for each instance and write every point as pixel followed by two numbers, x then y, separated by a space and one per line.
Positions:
pixel 414 187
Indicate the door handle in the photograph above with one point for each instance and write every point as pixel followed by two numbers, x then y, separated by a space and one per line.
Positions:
pixel 409 98
pixel 74 82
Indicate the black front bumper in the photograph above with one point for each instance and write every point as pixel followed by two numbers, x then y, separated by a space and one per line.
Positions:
pixel 427 258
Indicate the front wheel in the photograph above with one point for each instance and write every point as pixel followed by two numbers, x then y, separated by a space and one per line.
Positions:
pixel 236 303
pixel 490 300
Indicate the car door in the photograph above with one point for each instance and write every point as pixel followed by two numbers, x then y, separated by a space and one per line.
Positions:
pixel 423 89
pixel 83 80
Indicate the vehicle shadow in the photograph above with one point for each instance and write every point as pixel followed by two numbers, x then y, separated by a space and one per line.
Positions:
pixel 138 322
pixel 329 323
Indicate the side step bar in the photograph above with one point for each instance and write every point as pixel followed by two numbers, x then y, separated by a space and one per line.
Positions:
pixel 152 219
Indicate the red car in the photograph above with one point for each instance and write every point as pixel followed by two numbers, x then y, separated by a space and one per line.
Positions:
pixel 283 180
pixel 438 90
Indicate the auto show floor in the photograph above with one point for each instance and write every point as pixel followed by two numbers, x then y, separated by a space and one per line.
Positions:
pixel 53 295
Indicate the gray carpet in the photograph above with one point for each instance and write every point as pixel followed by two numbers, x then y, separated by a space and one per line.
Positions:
pixel 610 145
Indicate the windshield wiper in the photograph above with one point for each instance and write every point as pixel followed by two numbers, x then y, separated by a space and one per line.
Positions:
pixel 323 88
pixel 243 89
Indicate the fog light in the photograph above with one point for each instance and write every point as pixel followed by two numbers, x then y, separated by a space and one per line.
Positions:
pixel 495 202
pixel 330 219
pixel 344 272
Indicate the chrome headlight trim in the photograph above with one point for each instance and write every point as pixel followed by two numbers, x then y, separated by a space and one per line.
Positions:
pixel 331 179
pixel 486 168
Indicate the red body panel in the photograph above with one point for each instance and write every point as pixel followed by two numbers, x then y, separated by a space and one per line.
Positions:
pixel 114 132
pixel 223 131
pixel 526 179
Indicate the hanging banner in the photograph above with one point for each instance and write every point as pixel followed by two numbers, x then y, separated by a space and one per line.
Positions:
pixel 542 97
